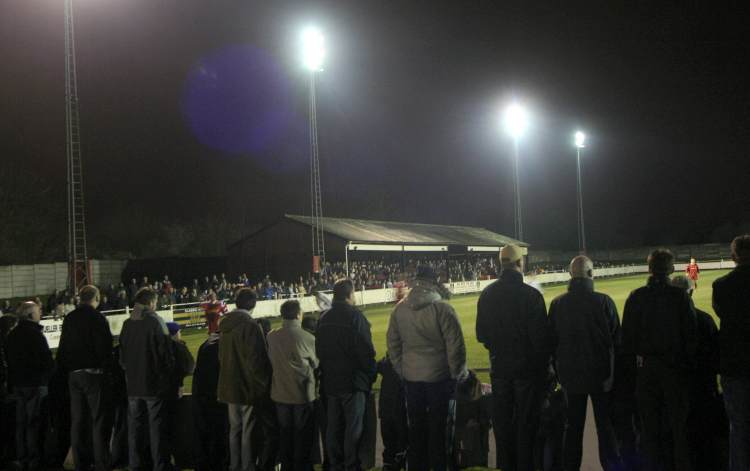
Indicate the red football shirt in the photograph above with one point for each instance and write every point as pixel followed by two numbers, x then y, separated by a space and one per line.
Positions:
pixel 692 271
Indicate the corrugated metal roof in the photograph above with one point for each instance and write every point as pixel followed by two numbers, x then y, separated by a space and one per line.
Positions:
pixel 366 231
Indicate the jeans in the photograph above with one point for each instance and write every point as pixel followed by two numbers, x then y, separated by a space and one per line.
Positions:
pixel 663 396
pixel 576 412
pixel 427 406
pixel 212 430
pixel 346 414
pixel 29 426
pixel 516 408
pixel 147 423
pixel 737 403
pixel 246 454
pixel 297 427
pixel 90 413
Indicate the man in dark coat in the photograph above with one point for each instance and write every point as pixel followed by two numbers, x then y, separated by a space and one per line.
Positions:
pixel 512 324
pixel 147 357
pixel 659 336
pixel 85 354
pixel 348 369
pixel 29 369
pixel 731 300
pixel 211 420
pixel 587 330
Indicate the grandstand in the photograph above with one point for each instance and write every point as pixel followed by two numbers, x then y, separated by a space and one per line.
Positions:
pixel 282 249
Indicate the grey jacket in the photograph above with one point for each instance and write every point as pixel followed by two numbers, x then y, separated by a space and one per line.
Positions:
pixel 425 341
pixel 293 360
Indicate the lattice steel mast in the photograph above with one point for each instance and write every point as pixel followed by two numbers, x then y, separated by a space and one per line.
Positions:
pixel 78 268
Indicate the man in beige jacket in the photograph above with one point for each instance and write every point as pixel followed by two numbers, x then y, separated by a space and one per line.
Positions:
pixel 292 353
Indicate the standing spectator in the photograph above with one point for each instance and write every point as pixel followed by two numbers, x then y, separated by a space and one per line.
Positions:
pixel 29 370
pixel 244 384
pixel 692 270
pixel 7 323
pixel 394 429
pixel 707 417
pixel 512 324
pixel 292 353
pixel 348 369
pixel 659 334
pixel 587 330
pixel 132 290
pixel 211 420
pixel 426 348
pixel 731 300
pixel 85 354
pixel 183 366
pixel 146 356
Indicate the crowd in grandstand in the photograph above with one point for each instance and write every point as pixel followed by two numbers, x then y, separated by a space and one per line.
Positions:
pixel 262 398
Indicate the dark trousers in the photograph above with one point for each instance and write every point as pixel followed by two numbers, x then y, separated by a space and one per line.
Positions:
pixel 297 427
pixel 737 403
pixel 119 451
pixel 516 408
pixel 346 414
pixel 576 413
pixel 89 413
pixel 29 426
pixel 147 423
pixel 428 405
pixel 212 430
pixel 663 396
pixel 394 430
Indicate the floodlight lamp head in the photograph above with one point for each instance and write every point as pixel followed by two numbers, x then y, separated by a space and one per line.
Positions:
pixel 313 49
pixel 515 120
pixel 580 137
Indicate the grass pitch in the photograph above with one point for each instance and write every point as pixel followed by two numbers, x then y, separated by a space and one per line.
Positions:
pixel 618 288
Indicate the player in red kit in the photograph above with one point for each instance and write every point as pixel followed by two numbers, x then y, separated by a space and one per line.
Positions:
pixel 214 310
pixel 692 271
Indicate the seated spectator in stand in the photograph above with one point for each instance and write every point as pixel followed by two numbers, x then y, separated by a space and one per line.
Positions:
pixel 210 415
pixel 147 356
pixel 29 369
pixel 182 296
pixel 121 302
pixel 292 353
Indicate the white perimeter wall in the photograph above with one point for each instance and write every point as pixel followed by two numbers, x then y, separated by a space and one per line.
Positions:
pixel 34 280
pixel 381 296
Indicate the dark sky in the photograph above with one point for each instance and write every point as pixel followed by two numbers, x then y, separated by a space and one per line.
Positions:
pixel 192 108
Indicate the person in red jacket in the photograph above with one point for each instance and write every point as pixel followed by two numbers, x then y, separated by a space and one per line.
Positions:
pixel 213 311
pixel 692 271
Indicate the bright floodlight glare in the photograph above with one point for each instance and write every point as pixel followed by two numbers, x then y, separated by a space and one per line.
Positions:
pixel 313 49
pixel 516 121
pixel 580 137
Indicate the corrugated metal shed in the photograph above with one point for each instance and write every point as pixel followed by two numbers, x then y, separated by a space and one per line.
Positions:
pixel 367 231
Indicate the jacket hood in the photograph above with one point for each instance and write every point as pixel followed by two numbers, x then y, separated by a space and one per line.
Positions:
pixel 233 320
pixel 212 338
pixel 139 311
pixel 422 294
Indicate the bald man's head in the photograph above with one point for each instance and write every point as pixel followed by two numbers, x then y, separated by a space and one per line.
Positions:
pixel 581 267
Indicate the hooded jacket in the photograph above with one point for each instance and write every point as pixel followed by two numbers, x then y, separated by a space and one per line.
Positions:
pixel 425 341
pixel 512 324
pixel 206 374
pixel 146 354
pixel 292 353
pixel 245 371
pixel 587 331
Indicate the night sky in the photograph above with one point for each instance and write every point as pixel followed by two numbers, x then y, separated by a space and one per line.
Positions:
pixel 194 112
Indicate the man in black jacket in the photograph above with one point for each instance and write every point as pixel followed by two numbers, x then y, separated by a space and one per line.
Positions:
pixel 348 369
pixel 147 357
pixel 29 368
pixel 512 324
pixel 587 330
pixel 211 419
pixel 85 354
pixel 731 300
pixel 659 336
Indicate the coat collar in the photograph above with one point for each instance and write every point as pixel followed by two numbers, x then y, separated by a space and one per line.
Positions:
pixel 292 323
pixel 581 284
pixel 511 276
pixel 658 280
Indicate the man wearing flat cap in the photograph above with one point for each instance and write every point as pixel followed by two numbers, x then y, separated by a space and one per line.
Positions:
pixel 512 324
